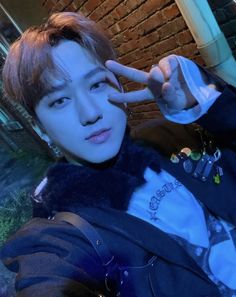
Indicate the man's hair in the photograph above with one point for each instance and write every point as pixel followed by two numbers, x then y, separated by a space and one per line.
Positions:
pixel 29 61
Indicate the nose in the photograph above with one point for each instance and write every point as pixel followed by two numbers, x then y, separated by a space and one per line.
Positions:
pixel 88 110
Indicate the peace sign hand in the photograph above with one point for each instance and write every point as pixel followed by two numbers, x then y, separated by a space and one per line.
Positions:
pixel 165 84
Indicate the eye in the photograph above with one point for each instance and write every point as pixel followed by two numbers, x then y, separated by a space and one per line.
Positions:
pixel 59 102
pixel 99 85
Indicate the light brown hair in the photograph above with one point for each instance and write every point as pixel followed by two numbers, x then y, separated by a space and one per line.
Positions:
pixel 30 58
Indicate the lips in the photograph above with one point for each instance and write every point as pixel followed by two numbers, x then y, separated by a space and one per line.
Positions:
pixel 99 136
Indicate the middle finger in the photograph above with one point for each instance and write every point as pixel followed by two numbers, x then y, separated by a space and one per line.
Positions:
pixel 128 72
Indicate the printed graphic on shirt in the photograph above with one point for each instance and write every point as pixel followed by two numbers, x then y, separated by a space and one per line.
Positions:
pixel 161 193
pixel 218 261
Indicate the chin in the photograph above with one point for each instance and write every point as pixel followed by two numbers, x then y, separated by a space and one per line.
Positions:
pixel 105 157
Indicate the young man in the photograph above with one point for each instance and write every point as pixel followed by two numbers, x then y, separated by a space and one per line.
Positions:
pixel 161 228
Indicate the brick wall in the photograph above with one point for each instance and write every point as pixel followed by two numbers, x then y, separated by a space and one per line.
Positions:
pixel 142 31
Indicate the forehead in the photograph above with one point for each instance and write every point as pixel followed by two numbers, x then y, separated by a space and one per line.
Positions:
pixel 71 62
pixel 72 58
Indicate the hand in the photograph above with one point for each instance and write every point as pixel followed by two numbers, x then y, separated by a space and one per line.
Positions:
pixel 165 84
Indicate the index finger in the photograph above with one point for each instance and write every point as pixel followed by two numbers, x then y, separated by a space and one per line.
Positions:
pixel 168 65
pixel 128 72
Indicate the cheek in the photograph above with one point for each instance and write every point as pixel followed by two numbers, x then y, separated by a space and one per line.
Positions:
pixel 53 128
pixel 118 112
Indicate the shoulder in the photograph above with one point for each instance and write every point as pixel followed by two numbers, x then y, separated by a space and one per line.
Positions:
pixel 165 136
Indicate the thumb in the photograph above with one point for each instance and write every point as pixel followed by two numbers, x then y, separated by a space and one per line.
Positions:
pixel 155 81
pixel 168 93
pixel 174 99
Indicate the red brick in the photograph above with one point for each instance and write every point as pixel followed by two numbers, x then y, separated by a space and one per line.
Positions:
pixel 184 37
pixel 90 5
pixel 188 50
pixel 78 3
pixel 128 46
pixel 134 123
pixel 105 8
pixel 133 56
pixel 174 51
pixel 108 5
pixel 122 10
pixel 148 40
pixel 134 104
pixel 85 11
pixel 142 63
pixel 113 30
pixel 172 28
pixel 107 21
pixel 144 107
pixel 138 116
pixel 71 7
pixel 125 36
pixel 164 46
pixel 64 3
pixel 132 86
pixel 150 7
pixel 96 15
pixel 170 12
pixel 131 34
pixel 150 23
pixel 198 59
pixel 124 81
pixel 138 16
pixel 115 15
pixel 132 4
pixel 152 114
pixel 120 39
pixel 127 22
pixel 146 115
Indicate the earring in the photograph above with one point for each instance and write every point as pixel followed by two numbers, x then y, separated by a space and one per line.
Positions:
pixel 55 149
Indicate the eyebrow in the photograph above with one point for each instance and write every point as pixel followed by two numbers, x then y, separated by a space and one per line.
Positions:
pixel 59 87
pixel 93 72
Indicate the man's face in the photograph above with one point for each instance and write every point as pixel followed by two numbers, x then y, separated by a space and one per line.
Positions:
pixel 76 113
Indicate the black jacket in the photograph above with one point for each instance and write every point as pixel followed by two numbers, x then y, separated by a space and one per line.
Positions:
pixel 54 259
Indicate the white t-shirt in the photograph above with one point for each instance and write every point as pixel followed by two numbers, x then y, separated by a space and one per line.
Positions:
pixel 167 204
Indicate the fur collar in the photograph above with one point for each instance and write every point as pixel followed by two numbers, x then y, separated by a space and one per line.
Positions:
pixel 68 187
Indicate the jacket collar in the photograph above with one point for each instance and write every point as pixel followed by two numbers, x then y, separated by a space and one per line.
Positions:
pixel 69 187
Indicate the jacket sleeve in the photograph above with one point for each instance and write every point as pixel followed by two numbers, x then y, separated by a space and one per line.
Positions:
pixel 53 259
pixel 215 109
pixel 220 119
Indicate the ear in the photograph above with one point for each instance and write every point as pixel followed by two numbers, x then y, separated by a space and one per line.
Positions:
pixel 39 129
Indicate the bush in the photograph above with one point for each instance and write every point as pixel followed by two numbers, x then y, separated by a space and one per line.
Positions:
pixel 15 211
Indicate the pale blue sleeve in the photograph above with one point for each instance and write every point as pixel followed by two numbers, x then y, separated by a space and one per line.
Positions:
pixel 204 95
